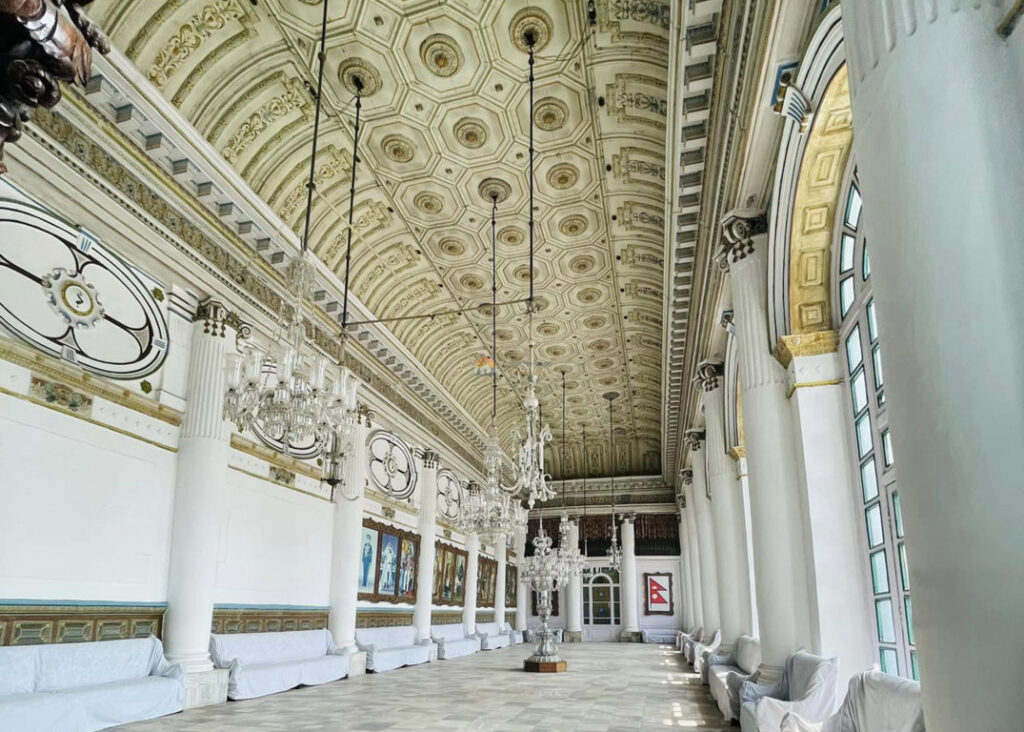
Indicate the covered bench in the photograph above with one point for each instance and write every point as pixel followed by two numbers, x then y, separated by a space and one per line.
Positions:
pixel 701 652
pixel 875 702
pixel 391 648
pixel 807 687
pixel 516 636
pixel 452 641
pixel 78 687
pixel 741 665
pixel 492 637
pixel 267 663
pixel 682 638
pixel 654 635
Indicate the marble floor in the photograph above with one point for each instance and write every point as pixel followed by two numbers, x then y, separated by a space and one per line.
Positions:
pixel 609 687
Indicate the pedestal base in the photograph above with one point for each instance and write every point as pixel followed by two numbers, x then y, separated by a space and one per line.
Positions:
pixel 545 667
pixel 572 636
pixel 356 663
pixel 204 688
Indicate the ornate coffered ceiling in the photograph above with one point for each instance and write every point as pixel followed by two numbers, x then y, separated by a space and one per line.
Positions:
pixel 445 110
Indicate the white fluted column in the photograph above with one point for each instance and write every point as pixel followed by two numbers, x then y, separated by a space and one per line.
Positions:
pixel 428 533
pixel 686 476
pixel 574 592
pixel 684 567
pixel 472 573
pixel 743 487
pixel 501 557
pixel 705 537
pixel 942 187
pixel 199 493
pixel 777 516
pixel 522 596
pixel 629 582
pixel 727 516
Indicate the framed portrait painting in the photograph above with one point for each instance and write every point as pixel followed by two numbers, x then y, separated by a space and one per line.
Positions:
pixel 460 579
pixel 407 560
pixel 658 593
pixel 448 587
pixel 387 583
pixel 511 585
pixel 438 566
pixel 368 560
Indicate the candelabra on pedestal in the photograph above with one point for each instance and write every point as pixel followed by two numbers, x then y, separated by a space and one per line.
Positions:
pixel 544 573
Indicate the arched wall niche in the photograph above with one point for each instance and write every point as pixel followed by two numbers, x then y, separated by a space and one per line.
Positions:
pixel 810 171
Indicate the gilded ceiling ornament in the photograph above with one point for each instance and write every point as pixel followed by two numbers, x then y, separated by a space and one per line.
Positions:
pixel 563 175
pixel 470 132
pixel 353 67
pixel 428 203
pixel 573 225
pixel 531 19
pixel 511 236
pixel 190 36
pixel 398 148
pixel 294 97
pixel 441 54
pixel 550 114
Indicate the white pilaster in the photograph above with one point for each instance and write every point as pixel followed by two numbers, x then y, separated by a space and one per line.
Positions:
pixel 780 556
pixel 501 557
pixel 574 592
pixel 684 568
pixel 345 544
pixel 472 572
pixel 629 583
pixel 942 187
pixel 691 535
pixel 705 537
pixel 428 533
pixel 727 517
pixel 199 491
pixel 522 596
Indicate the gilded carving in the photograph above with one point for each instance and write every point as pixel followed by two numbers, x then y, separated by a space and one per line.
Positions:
pixel 182 44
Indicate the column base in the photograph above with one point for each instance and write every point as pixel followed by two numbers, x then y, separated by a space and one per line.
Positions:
pixel 204 688
pixel 630 636
pixel 545 667
pixel 572 636
pixel 356 663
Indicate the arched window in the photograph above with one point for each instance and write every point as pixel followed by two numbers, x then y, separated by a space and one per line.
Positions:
pixel 601 598
pixel 862 346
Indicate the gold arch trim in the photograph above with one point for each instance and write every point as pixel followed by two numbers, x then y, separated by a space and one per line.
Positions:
pixel 818 190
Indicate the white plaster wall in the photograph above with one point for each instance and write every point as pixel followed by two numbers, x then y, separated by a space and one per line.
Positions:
pixel 86 511
pixel 668 565
pixel 275 545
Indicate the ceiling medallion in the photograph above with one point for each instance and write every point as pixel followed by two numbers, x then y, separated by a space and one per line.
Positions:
pixel 522 273
pixel 494 189
pixel 471 282
pixel 563 175
pixel 470 132
pixel 531 19
pixel 604 363
pixel 573 225
pixel 550 114
pixel 595 321
pixel 428 203
pixel 556 351
pixel 398 148
pixel 607 381
pixel 357 67
pixel 600 345
pixel 511 236
pixel 589 296
pixel 548 329
pixel 441 55
pixel 581 264
pixel 452 247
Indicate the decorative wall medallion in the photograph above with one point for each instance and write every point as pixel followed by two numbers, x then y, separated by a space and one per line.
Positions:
pixel 451 247
pixel 470 132
pixel 398 148
pixel 494 189
pixel 573 225
pixel 61 396
pixel 511 236
pixel 549 114
pixel 449 494
pixel 534 20
pixel 62 292
pixel 582 264
pixel 563 175
pixel 441 54
pixel 392 470
pixel 428 203
pixel 357 67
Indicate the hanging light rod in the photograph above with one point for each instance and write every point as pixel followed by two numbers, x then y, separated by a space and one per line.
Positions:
pixel 437 313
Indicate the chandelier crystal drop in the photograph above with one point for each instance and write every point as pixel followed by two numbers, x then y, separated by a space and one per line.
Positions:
pixel 531 480
pixel 614 551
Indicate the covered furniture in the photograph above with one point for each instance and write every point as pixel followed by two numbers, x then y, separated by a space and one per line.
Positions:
pixel 492 637
pixel 658 636
pixel 75 687
pixel 452 641
pixel 875 702
pixel 741 665
pixel 391 648
pixel 267 663
pixel 516 636
pixel 683 637
pixel 701 651
pixel 807 687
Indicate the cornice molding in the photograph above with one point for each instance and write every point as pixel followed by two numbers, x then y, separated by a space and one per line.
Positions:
pixel 805 344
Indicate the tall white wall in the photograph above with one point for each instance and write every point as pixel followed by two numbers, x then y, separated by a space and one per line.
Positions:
pixel 667 565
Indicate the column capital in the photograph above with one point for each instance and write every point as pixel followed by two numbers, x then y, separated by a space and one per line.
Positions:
pixel 429 456
pixel 708 373
pixel 686 475
pixel 217 319
pixel 681 503
pixel 693 438
pixel 739 227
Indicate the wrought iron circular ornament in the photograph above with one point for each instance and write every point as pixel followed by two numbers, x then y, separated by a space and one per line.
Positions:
pixel 449 494
pixel 62 292
pixel 392 469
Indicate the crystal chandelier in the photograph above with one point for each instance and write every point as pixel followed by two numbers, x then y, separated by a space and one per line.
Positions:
pixel 614 551
pixel 283 392
pixel 568 551
pixel 588 569
pixel 531 480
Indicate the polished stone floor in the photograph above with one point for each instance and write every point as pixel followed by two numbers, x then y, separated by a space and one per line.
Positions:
pixel 609 687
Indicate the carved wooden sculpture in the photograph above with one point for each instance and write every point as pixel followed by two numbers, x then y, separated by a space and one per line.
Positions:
pixel 42 42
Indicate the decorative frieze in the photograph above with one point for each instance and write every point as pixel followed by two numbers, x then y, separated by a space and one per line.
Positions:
pixel 267 620
pixel 30 624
